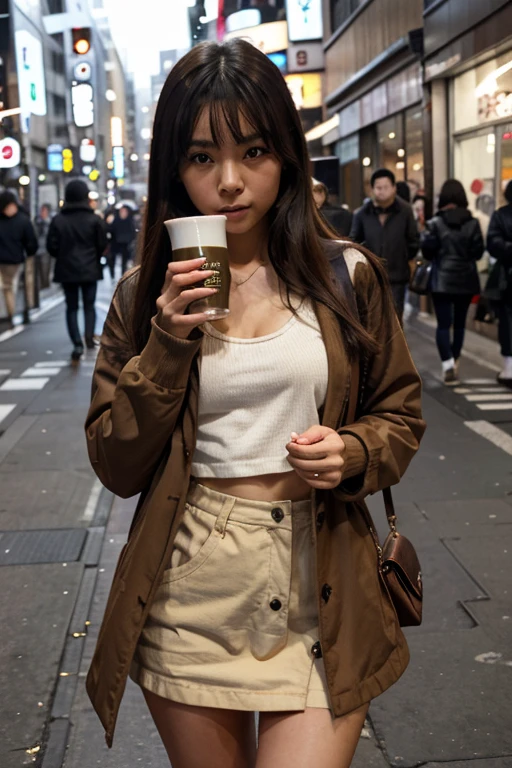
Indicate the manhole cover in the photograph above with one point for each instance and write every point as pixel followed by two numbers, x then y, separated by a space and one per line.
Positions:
pixel 53 546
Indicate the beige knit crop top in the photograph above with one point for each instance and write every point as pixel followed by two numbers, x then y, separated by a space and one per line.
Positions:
pixel 254 392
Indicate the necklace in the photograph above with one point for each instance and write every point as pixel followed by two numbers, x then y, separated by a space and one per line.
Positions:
pixel 241 282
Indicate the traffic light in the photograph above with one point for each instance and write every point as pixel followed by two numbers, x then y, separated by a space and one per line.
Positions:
pixel 81 40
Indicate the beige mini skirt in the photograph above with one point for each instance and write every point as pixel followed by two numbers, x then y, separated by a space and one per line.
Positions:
pixel 234 623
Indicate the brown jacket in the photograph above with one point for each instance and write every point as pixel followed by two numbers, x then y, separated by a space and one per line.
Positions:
pixel 141 432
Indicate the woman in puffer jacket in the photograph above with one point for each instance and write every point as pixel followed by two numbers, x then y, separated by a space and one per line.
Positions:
pixel 453 242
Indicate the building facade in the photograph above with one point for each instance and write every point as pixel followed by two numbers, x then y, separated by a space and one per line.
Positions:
pixel 373 92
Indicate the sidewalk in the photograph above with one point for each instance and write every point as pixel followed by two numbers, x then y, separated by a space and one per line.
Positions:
pixel 60 536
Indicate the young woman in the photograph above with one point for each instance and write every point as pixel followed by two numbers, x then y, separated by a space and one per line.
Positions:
pixel 453 242
pixel 250 580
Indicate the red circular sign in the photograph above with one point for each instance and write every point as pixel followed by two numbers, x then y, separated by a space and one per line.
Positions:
pixel 476 186
pixel 7 152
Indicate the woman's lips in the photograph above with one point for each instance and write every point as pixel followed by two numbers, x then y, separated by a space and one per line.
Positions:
pixel 235 214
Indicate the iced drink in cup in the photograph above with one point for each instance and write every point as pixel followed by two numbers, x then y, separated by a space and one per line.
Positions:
pixel 196 236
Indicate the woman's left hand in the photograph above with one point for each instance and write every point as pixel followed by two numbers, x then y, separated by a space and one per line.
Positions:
pixel 317 456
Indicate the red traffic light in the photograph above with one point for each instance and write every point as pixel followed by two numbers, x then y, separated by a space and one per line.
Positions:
pixel 81 40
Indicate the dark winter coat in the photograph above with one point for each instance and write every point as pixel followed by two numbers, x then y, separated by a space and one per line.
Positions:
pixel 499 245
pixel 453 242
pixel 122 231
pixel 339 218
pixel 396 242
pixel 17 238
pixel 77 240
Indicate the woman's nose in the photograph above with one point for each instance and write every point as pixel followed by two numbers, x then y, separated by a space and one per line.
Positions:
pixel 230 178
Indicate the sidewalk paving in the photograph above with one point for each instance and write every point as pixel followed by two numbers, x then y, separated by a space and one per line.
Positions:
pixel 451 708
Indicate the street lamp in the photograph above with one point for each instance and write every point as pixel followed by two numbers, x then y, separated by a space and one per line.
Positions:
pixel 110 95
pixel 134 157
pixel 24 180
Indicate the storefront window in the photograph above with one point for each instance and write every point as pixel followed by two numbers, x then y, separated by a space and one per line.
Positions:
pixel 390 137
pixel 483 94
pixel 414 150
pixel 475 167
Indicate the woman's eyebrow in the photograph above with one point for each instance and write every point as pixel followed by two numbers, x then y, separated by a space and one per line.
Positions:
pixel 208 144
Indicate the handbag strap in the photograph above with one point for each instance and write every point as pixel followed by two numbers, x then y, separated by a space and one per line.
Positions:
pixel 340 268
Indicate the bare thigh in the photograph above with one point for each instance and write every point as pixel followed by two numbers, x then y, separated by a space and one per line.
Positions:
pixel 200 737
pixel 309 738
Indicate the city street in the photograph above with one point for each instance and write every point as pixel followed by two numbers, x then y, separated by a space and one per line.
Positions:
pixel 60 534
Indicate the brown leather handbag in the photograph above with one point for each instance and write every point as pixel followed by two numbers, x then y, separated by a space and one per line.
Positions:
pixel 401 569
pixel 397 559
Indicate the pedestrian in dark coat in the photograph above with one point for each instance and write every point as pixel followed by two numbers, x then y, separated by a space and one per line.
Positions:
pixel 499 245
pixel 122 232
pixel 386 225
pixel 77 240
pixel 337 217
pixel 453 242
pixel 17 241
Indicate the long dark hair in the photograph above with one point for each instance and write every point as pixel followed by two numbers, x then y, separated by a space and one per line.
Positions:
pixel 235 79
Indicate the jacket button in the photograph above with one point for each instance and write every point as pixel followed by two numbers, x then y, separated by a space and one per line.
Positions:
pixel 320 520
pixel 275 604
pixel 277 514
pixel 326 592
pixel 316 650
pixel 187 453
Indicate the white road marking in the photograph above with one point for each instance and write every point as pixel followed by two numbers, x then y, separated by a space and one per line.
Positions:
pixel 4 371
pixel 52 364
pixel 5 410
pixel 492 433
pixel 12 385
pixel 38 371
pixel 481 398
pixel 480 381
pixel 495 406
pixel 6 335
pixel 475 390
pixel 92 502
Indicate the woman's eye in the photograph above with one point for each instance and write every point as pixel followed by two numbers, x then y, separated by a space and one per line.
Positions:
pixel 200 159
pixel 255 152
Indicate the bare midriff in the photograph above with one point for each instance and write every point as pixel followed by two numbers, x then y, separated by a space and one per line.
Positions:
pixel 284 486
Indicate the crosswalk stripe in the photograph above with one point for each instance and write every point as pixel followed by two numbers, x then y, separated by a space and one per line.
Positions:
pixel 13 385
pixel 5 410
pixel 480 381
pixel 4 371
pixel 38 371
pixel 52 364
pixel 495 406
pixel 481 398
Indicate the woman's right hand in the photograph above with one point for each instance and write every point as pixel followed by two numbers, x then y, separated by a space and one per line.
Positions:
pixel 178 292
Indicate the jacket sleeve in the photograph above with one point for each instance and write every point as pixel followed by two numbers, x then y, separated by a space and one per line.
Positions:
pixel 101 237
pixel 387 435
pixel 30 238
pixel 53 239
pixel 476 242
pixel 135 402
pixel 430 243
pixel 497 244
pixel 356 229
pixel 413 238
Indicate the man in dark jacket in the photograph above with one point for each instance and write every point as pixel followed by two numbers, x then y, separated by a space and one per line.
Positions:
pixel 77 240
pixel 386 226
pixel 338 218
pixel 17 241
pixel 123 233
pixel 499 245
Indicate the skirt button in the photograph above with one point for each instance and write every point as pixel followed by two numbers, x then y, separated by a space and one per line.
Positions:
pixel 275 604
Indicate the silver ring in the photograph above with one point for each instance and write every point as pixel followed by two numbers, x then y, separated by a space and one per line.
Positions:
pixel 316 474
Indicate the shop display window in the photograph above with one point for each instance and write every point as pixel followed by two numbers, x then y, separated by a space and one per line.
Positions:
pixel 474 166
pixel 414 150
pixel 390 138
pixel 483 94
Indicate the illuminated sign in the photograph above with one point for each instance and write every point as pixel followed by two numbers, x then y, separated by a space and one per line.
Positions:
pixel 54 157
pixel 250 17
pixel 305 57
pixel 87 151
pixel 280 60
pixel 67 160
pixel 269 38
pixel 304 19
pixel 118 158
pixel 82 71
pixel 83 106
pixel 306 90
pixel 10 153
pixel 31 84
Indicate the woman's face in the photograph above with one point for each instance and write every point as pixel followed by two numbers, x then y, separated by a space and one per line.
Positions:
pixel 242 177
